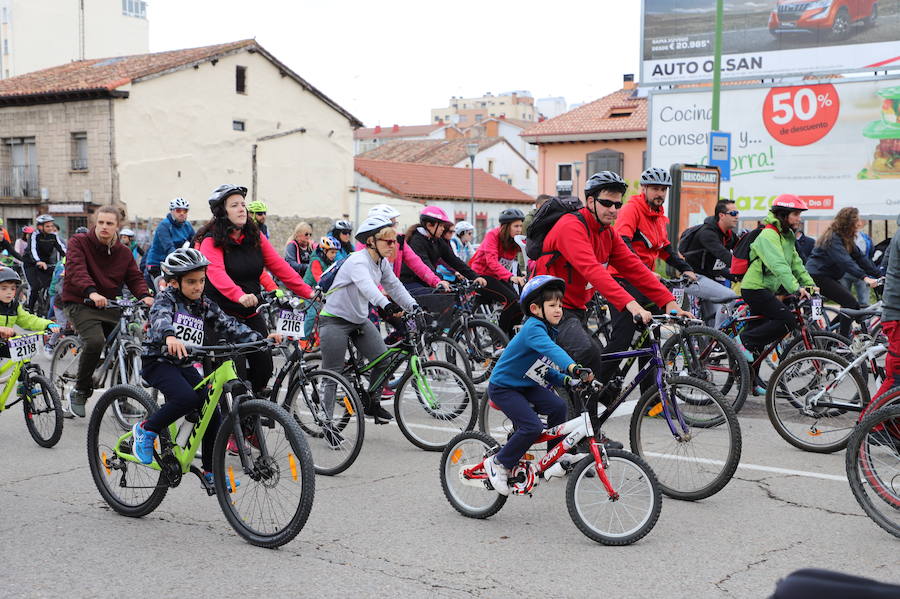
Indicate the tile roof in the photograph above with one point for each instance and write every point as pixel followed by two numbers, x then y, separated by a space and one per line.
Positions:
pixel 402 131
pixel 594 118
pixel 429 151
pixel 428 181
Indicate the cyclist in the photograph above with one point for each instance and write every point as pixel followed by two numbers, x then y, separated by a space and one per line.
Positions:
pixel 7 244
pixel 342 231
pixel 97 266
pixel 257 210
pixel 21 245
pixel 12 313
pixel 836 255
pixel 356 286
pixel 521 380
pixel 805 245
pixel 775 270
pixel 44 249
pixel 171 233
pixel 238 253
pixel 164 364
pixel 890 317
pixel 322 258
pixel 126 236
pixel 299 249
pixel 462 242
pixel 496 261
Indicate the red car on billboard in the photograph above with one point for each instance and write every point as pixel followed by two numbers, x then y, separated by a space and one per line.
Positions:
pixel 831 17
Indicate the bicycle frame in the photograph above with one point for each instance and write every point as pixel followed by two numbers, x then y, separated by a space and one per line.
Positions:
pixel 396 355
pixel 870 353
pixel 17 367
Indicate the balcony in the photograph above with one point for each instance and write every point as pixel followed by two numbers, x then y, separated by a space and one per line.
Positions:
pixel 79 164
pixel 19 182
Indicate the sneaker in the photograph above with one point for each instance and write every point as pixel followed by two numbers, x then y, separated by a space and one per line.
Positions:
pixel 232 447
pixel 210 479
pixel 387 392
pixel 142 446
pixel 379 412
pixel 497 474
pixel 77 399
pixel 609 443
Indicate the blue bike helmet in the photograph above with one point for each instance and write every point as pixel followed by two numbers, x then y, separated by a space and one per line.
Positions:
pixel 535 286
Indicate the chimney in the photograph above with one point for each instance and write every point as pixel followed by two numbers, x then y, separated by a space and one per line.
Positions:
pixel 395 128
pixel 628 81
pixel 377 129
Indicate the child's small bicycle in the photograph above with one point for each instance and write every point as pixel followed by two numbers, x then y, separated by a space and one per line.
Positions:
pixel 613 496
pixel 40 401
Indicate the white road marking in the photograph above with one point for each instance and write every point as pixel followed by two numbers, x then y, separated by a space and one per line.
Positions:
pixel 756 467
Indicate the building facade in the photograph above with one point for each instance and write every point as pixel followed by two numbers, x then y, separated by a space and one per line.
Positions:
pixel 468 111
pixel 366 139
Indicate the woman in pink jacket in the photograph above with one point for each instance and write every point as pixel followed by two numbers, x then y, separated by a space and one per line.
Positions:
pixel 497 261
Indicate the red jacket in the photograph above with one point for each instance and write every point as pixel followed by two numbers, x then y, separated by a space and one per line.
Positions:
pixel 94 267
pixel 490 257
pixel 646 228
pixel 585 252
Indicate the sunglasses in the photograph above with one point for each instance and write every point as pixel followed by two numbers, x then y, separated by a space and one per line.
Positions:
pixel 610 204
pixel 389 242
pixel 732 212
pixel 307 234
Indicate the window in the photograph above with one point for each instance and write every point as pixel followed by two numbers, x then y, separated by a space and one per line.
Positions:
pixel 5 46
pixel 240 80
pixel 528 173
pixel 437 119
pixel 79 151
pixel 564 172
pixel 20 178
pixel 237 125
pixel 620 113
pixel 134 8
pixel 605 160
pixel 75 222
pixel 491 167
pixel 478 118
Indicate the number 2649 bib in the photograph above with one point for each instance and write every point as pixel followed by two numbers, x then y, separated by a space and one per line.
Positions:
pixel 188 329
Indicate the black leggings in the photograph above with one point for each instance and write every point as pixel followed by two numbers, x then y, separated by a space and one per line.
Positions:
pixel 256 367
pixel 622 334
pixel 503 292
pixel 779 319
pixel 833 290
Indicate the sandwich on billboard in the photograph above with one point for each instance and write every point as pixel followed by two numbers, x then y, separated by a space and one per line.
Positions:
pixel 834 144
pixel 768 38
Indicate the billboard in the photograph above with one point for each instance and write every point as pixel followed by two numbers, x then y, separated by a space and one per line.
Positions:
pixel 767 38
pixel 834 144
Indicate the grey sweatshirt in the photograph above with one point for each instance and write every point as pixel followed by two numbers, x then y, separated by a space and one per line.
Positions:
pixel 891 295
pixel 356 286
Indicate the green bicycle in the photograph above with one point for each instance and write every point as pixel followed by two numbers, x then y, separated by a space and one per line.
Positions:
pixel 40 401
pixel 265 489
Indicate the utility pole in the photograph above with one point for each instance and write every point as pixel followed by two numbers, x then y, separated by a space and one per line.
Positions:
pixel 717 66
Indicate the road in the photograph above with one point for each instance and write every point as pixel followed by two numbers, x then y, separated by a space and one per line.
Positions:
pixel 384 529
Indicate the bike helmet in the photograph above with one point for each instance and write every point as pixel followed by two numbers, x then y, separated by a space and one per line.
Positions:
pixel 433 214
pixel 510 215
pixel 28 229
pixel 223 191
pixel 463 226
pixel 656 176
pixel 127 232
pixel 179 203
pixel 342 225
pixel 788 202
pixel 8 274
pixel 329 243
pixel 182 261
pixel 257 206
pixel 81 229
pixel 604 180
pixel 534 287
pixel 384 210
pixel 372 226
pixel 44 218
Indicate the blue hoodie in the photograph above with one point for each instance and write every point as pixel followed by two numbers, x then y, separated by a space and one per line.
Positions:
pixel 169 236
pixel 536 340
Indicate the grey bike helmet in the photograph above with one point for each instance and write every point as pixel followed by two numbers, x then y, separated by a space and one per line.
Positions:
pixel 371 226
pixel 656 176
pixel 8 274
pixel 510 215
pixel 179 203
pixel 182 261
pixel 44 218
pixel 463 226
pixel 126 232
pixel 81 230
pixel 342 225
pixel 604 180
pixel 223 191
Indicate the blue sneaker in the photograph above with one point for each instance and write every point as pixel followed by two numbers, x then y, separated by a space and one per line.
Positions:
pixel 210 479
pixel 142 443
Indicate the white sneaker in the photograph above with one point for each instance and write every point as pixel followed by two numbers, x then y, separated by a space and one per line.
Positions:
pixel 497 474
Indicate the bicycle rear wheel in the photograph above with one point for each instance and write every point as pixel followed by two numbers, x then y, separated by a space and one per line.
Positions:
pixel 701 458
pixel 43 412
pixel 130 488
pixel 624 519
pixel 484 342
pixel 873 467
pixel 274 499
pixel 470 497
pixel 433 409
pixel 64 365
pixel 445 349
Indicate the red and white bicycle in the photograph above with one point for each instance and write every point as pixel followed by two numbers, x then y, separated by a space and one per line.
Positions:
pixel 612 496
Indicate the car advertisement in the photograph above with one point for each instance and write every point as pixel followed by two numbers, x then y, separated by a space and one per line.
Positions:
pixel 833 144
pixel 767 38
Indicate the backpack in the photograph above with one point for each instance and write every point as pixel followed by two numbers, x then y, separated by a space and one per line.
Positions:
pixel 544 219
pixel 330 274
pixel 879 252
pixel 687 239
pixel 740 260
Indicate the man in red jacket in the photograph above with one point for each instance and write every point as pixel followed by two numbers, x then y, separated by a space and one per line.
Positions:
pixel 97 266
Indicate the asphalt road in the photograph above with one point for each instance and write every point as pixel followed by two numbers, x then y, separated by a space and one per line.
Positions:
pixel 384 529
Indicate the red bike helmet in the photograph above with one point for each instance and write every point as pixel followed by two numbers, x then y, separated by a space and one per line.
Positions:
pixel 789 202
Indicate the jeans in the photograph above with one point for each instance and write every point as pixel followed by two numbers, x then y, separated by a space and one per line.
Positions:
pixel 522 407
pixel 858 287
pixel 712 295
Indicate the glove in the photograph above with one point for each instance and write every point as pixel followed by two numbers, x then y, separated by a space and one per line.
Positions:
pixel 389 310
pixel 52 326
pixel 571 382
pixel 582 373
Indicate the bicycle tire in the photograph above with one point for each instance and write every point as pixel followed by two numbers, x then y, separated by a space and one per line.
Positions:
pixel 872 449
pixel 102 434
pixel 270 472
pixel 123 410
pixel 64 365
pixel 43 412
pixel 470 448
pixel 414 412
pixel 713 446
pixel 446 349
pixel 304 403
pixel 738 382
pixel 784 403
pixel 484 342
pixel 641 482
pixel 884 400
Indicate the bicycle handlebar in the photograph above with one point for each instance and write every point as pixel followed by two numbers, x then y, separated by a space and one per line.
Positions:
pixel 230 348
pixel 115 303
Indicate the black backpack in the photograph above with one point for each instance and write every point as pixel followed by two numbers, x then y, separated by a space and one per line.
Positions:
pixel 687 239
pixel 740 260
pixel 544 219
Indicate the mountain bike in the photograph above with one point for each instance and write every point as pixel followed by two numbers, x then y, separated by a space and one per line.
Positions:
pixel 40 402
pixel 612 496
pixel 873 467
pixel 482 340
pixel 265 491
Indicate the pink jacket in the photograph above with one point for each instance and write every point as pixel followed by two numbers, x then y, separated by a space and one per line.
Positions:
pixel 413 260
pixel 490 257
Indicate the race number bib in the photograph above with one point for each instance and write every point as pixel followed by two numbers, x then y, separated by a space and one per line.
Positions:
pixel 23 347
pixel 816 307
pixel 510 265
pixel 188 329
pixel 678 292
pixel 539 370
pixel 290 322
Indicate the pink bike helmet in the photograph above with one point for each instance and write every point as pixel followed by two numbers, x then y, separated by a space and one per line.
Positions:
pixel 433 214
pixel 788 202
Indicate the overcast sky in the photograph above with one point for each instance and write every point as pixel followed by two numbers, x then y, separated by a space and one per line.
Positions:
pixel 392 61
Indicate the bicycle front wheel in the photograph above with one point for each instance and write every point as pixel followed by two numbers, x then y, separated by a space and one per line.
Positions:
pixel 444 349
pixel 43 412
pixel 484 342
pixel 623 518
pixel 435 405
pixel 873 467
pixel 699 459
pixel 273 501
pixel 64 365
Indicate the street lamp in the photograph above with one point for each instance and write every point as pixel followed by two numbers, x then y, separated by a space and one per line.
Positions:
pixel 577 166
pixel 471 150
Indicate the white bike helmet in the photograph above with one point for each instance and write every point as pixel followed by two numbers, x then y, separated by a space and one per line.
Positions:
pixel 183 260
pixel 372 226
pixel 179 203
pixel 384 210
pixel 463 226
pixel 44 218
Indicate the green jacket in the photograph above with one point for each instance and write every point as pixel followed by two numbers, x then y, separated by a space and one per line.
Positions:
pixel 24 319
pixel 774 262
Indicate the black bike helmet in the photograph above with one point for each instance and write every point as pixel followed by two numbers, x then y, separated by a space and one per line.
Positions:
pixel 223 191
pixel 511 215
pixel 8 274
pixel 604 180
pixel 656 176
pixel 183 261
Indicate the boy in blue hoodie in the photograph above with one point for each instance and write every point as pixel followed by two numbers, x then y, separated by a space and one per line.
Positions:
pixel 521 380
